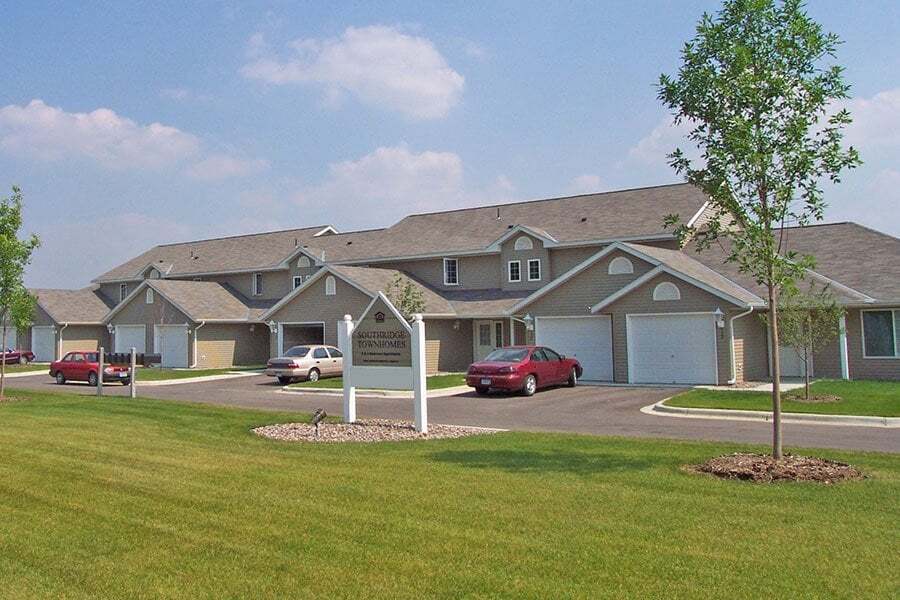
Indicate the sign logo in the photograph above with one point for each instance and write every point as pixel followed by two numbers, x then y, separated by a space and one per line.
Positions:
pixel 379 317
pixel 381 339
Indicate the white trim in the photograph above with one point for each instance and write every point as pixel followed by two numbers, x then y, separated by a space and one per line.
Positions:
pixel 629 346
pixel 626 268
pixel 256 289
pixel 149 296
pixel 331 286
pixel 312 279
pixel 527 243
pixel 493 324
pixel 509 277
pixel 123 287
pixel 696 216
pixel 733 356
pixel 627 289
pixel 862 332
pixel 540 269
pixel 444 263
pixel 294 281
pixel 326 229
pixel 547 239
pixel 842 348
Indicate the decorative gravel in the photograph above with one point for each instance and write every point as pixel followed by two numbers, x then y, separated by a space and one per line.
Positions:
pixel 762 468
pixel 369 430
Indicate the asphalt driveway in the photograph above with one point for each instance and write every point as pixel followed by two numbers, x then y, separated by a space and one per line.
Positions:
pixel 585 409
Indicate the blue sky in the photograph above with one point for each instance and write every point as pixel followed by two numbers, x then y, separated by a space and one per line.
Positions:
pixel 133 124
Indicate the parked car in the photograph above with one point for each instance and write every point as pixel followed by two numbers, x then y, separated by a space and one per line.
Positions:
pixel 522 369
pixel 16 357
pixel 83 366
pixel 308 362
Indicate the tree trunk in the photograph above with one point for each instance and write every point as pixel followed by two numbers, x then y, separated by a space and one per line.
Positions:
pixel 806 369
pixel 3 365
pixel 776 374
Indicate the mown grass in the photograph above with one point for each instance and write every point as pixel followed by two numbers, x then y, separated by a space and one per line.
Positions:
pixel 435 382
pixel 17 368
pixel 160 374
pixel 122 498
pixel 866 398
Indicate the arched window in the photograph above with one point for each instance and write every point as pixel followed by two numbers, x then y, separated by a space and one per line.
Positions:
pixel 666 291
pixel 149 296
pixel 620 266
pixel 330 283
pixel 524 243
pixel 303 262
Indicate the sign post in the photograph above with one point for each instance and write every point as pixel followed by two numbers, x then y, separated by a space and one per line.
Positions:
pixel 132 383
pixel 383 351
pixel 100 367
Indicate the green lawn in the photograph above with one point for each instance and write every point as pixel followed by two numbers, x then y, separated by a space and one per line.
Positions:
pixel 159 374
pixel 28 367
pixel 872 398
pixel 141 498
pixel 435 382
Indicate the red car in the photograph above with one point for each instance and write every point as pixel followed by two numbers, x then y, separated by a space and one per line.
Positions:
pixel 83 366
pixel 522 368
pixel 16 357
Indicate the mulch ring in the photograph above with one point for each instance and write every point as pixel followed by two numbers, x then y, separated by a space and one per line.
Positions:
pixel 762 468
pixel 820 399
pixel 368 430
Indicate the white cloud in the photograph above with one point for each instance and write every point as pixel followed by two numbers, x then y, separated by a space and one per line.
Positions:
pixel 654 147
pixel 876 120
pixel 217 167
pixel 50 133
pixel 585 184
pixel 380 65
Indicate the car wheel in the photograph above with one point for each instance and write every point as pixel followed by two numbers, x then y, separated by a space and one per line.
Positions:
pixel 285 380
pixel 313 375
pixel 481 391
pixel 60 378
pixel 23 360
pixel 573 378
pixel 92 379
pixel 530 385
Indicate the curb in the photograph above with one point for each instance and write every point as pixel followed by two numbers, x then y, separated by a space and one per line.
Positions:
pixel 28 373
pixel 663 410
pixel 361 393
pixel 233 375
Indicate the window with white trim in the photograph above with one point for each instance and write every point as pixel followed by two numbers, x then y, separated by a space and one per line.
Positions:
pixel 666 291
pixel 123 291
pixel 524 243
pixel 149 296
pixel 257 284
pixel 620 266
pixel 534 269
pixel 330 286
pixel 514 271
pixel 298 281
pixel 881 330
pixel 451 271
pixel 303 262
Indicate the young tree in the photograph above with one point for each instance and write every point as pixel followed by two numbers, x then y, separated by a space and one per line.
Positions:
pixel 16 304
pixel 757 98
pixel 406 297
pixel 807 322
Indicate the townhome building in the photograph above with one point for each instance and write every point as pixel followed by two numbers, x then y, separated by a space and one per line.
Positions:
pixel 595 276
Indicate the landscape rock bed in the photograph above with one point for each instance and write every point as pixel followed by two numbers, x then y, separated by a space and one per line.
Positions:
pixel 364 431
pixel 762 468
pixel 820 399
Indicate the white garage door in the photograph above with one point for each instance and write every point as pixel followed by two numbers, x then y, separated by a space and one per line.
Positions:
pixel 131 336
pixel 677 348
pixel 172 345
pixel 792 364
pixel 589 339
pixel 12 341
pixel 43 343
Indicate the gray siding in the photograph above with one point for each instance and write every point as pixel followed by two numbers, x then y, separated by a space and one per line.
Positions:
pixel 509 253
pixel 448 347
pixel 751 350
pixel 475 272
pixel 161 312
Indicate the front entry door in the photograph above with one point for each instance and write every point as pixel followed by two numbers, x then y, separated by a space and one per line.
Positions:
pixel 488 337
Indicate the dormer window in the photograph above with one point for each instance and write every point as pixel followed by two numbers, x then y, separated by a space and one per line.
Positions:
pixel 123 291
pixel 451 271
pixel 257 284
pixel 524 243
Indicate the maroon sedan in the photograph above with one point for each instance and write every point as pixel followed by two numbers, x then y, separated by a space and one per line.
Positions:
pixel 16 357
pixel 83 366
pixel 522 368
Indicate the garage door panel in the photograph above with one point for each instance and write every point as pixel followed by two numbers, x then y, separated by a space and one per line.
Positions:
pixel 43 343
pixel 589 339
pixel 172 345
pixel 130 336
pixel 675 348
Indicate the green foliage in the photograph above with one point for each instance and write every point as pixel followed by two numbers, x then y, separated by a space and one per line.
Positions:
pixel 16 304
pixel 757 96
pixel 406 297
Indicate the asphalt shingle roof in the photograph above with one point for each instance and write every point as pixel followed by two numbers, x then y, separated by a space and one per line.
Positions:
pixel 207 300
pixel 73 306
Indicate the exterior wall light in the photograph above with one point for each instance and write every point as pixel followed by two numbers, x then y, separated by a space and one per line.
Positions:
pixel 529 322
pixel 720 317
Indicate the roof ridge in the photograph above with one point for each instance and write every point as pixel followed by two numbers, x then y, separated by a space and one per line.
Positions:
pixel 240 235
pixel 536 200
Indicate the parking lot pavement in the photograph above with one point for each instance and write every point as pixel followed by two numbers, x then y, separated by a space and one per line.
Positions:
pixel 598 410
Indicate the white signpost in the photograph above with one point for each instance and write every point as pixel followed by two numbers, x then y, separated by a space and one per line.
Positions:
pixel 383 351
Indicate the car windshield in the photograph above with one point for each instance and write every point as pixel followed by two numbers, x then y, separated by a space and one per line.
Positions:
pixel 297 351
pixel 507 355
